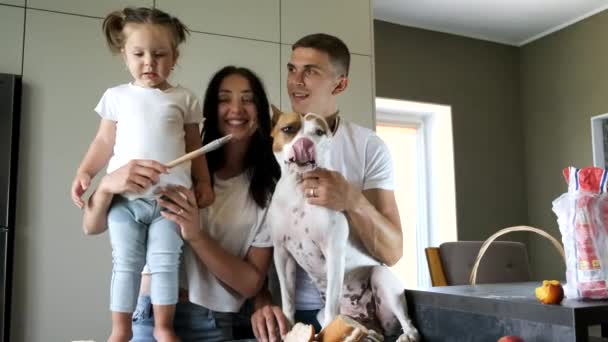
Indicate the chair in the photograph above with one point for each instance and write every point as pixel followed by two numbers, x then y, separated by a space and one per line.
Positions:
pixel 451 263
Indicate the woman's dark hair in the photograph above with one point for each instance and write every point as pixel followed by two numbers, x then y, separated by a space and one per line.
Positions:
pixel 261 165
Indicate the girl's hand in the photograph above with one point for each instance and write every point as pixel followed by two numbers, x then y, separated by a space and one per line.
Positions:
pixel 80 184
pixel 182 209
pixel 135 176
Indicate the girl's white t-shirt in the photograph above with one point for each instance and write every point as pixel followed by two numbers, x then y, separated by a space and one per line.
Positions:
pixel 150 125
pixel 236 222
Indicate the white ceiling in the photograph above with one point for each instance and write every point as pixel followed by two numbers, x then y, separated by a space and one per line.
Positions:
pixel 513 22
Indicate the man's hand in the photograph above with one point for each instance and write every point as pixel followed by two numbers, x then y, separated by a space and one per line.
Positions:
pixel 372 214
pixel 269 324
pixel 327 189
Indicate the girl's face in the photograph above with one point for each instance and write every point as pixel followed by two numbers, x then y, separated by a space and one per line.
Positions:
pixel 237 113
pixel 149 54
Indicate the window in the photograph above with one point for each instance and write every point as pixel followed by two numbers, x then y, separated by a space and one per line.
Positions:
pixel 419 137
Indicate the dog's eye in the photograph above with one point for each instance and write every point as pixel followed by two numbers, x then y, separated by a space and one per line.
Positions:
pixel 320 132
pixel 287 129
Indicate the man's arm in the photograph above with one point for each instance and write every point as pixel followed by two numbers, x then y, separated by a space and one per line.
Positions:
pixel 372 214
pixel 374 217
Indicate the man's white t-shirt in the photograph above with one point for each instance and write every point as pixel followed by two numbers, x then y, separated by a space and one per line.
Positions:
pixel 236 222
pixel 365 162
pixel 150 125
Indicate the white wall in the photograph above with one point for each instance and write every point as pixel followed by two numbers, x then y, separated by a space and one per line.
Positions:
pixel 61 276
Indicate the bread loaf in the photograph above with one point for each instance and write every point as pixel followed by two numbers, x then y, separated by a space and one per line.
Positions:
pixel 343 329
pixel 300 333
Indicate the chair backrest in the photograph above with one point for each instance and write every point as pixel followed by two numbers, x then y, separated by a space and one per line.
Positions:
pixel 504 262
pixel 433 259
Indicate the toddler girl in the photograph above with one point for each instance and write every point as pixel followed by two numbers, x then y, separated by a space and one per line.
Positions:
pixel 146 119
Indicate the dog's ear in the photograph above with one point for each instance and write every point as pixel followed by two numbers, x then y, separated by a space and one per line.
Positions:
pixel 276 113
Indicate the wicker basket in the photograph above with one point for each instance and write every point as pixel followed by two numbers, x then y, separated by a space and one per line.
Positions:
pixel 486 244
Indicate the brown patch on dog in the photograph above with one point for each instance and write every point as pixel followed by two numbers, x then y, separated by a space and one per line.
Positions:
pixel 285 127
pixel 276 113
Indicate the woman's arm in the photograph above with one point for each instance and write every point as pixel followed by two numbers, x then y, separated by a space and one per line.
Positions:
pixel 95 216
pixel 200 169
pixel 245 276
pixel 135 176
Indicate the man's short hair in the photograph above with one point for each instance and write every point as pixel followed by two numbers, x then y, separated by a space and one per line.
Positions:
pixel 339 56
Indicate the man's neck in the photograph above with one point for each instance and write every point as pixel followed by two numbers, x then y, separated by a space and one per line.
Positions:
pixel 332 121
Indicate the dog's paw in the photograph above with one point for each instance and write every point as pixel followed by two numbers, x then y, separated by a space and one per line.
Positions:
pixel 409 336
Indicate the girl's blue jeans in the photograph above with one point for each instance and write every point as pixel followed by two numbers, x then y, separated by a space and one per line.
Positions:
pixel 140 235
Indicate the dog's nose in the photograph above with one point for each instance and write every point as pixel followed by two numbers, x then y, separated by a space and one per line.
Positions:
pixel 304 150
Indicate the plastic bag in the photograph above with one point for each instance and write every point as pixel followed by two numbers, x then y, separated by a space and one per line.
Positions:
pixel 582 215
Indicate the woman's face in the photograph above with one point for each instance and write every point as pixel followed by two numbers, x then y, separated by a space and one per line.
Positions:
pixel 237 112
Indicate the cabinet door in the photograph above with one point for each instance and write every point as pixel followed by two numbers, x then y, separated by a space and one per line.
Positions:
pixel 94 8
pixel 62 84
pixel 257 19
pixel 350 20
pixel 13 2
pixel 204 54
pixel 357 102
pixel 11 39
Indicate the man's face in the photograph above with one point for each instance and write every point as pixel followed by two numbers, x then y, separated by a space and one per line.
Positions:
pixel 312 82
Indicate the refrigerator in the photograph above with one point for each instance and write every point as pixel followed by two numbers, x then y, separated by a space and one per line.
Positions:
pixel 10 105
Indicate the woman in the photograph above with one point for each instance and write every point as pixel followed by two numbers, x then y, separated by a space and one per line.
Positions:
pixel 228 248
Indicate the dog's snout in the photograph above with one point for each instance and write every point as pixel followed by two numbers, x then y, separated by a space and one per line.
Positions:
pixel 304 143
pixel 304 150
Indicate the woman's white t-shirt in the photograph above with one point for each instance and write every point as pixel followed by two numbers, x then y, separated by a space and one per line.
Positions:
pixel 236 222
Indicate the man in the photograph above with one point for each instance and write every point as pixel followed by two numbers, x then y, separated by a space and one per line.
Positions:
pixel 361 187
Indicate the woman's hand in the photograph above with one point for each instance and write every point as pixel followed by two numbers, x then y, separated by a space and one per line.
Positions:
pixel 269 324
pixel 135 176
pixel 182 209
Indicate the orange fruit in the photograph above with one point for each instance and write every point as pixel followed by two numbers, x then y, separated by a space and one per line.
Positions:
pixel 551 292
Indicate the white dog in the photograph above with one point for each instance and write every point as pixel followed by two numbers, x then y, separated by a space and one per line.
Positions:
pixel 350 281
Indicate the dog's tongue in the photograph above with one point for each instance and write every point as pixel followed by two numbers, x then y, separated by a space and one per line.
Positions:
pixel 304 150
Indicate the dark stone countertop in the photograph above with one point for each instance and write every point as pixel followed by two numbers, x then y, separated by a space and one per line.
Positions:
pixel 509 300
